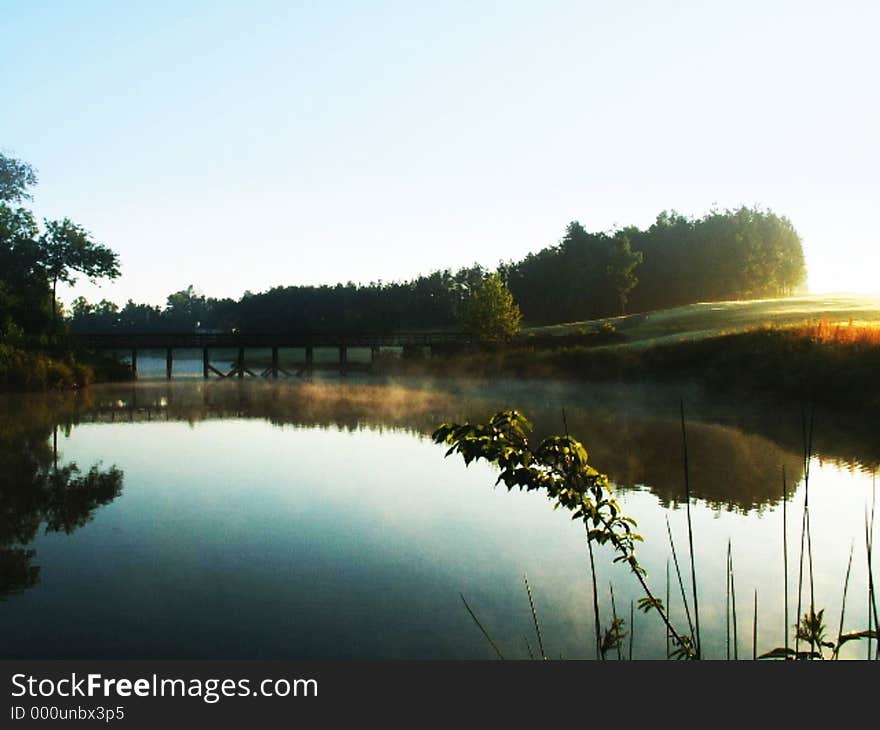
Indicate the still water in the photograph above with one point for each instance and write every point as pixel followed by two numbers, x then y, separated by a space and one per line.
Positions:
pixel 317 520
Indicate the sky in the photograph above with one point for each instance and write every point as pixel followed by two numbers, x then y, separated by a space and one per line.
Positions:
pixel 241 146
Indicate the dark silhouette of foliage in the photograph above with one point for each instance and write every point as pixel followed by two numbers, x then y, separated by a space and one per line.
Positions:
pixel 33 262
pixel 15 178
pixel 35 491
pixel 732 254
pixel 67 249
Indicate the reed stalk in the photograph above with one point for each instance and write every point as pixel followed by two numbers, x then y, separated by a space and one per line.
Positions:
pixel 785 554
pixel 528 647
pixel 843 600
pixel 684 600
pixel 632 626
pixel 535 619
pixel 668 600
pixel 596 622
pixel 480 626
pixel 614 617
pixel 733 600
pixel 687 490
pixel 727 606
pixel 755 629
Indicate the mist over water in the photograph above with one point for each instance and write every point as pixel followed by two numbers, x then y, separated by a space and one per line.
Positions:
pixel 318 520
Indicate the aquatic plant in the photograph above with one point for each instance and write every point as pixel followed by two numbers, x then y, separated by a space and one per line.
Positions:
pixel 559 465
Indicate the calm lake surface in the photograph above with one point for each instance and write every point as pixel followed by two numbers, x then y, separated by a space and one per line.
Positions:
pixel 317 520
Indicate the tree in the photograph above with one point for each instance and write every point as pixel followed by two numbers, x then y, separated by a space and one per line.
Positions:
pixel 23 284
pixel 491 314
pixel 66 249
pixel 623 262
pixel 15 177
pixel 186 309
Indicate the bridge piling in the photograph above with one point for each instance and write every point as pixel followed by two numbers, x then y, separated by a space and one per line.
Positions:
pixel 134 361
pixel 343 360
pixel 168 362
pixel 206 363
pixel 310 359
pixel 240 362
pixel 275 361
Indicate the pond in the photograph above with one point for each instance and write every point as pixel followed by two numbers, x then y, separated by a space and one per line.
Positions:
pixel 317 520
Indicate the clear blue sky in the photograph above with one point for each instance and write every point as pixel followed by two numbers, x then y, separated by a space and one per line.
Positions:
pixel 244 145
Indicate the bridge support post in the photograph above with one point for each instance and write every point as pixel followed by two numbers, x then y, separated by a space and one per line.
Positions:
pixel 275 362
pixel 134 361
pixel 343 360
pixel 310 359
pixel 240 362
pixel 374 355
pixel 206 363
pixel 168 362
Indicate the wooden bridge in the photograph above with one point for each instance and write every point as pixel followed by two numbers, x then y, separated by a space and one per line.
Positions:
pixel 240 342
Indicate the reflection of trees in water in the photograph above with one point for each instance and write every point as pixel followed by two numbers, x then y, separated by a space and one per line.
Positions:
pixel 730 467
pixel 16 572
pixel 736 452
pixel 34 491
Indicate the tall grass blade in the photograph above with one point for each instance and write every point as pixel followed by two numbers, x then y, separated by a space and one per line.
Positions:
pixel 529 647
pixel 873 622
pixel 668 602
pixel 785 552
pixel 805 530
pixel 535 619
pixel 872 596
pixel 755 628
pixel 598 625
pixel 684 600
pixel 727 605
pixel 733 602
pixel 480 627
pixel 614 617
pixel 687 490
pixel 808 453
pixel 632 626
pixel 843 600
pixel 598 629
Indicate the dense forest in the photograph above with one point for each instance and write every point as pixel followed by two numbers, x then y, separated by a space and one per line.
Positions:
pixel 731 254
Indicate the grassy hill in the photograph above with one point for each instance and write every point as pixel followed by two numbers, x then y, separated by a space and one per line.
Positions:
pixel 710 319
pixel 820 349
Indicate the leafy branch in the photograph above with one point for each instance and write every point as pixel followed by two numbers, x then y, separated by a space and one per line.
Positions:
pixel 559 465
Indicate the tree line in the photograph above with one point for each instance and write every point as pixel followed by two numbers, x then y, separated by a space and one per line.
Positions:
pixel 744 253
pixel 731 254
pixel 726 254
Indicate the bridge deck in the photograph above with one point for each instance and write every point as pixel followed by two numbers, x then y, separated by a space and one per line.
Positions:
pixel 181 340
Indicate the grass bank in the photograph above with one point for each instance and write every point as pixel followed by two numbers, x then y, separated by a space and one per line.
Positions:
pixel 819 362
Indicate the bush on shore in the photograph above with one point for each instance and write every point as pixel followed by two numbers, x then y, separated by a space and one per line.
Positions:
pixel 32 369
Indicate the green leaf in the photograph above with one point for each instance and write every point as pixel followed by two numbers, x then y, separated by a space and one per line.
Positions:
pixel 855 635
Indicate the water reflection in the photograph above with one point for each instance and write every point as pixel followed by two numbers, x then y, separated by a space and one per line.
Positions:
pixel 736 453
pixel 315 520
pixel 35 491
